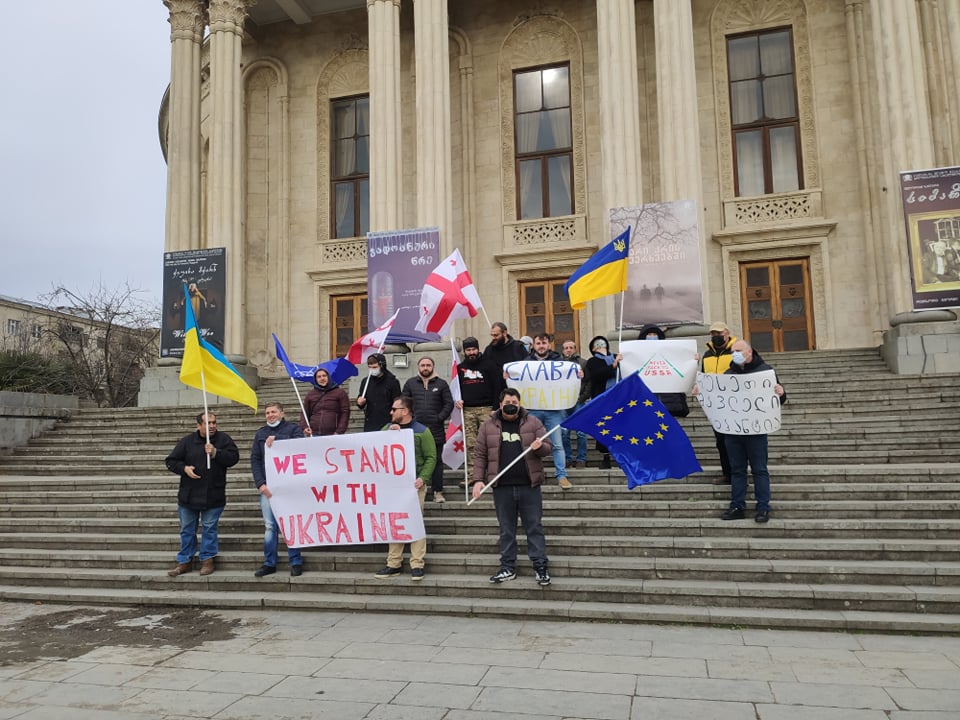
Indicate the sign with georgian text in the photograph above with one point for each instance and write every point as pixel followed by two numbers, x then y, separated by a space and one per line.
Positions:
pixel 740 404
pixel 665 366
pixel 204 272
pixel 544 384
pixel 345 489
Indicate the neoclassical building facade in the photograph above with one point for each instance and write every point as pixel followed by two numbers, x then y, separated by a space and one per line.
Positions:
pixel 293 127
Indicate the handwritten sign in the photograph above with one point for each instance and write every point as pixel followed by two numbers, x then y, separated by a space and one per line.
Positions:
pixel 665 366
pixel 345 489
pixel 740 404
pixel 545 384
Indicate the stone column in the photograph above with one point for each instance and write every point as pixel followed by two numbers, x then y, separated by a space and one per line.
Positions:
pixel 183 135
pixel 225 183
pixel 385 128
pixel 904 124
pixel 434 174
pixel 950 22
pixel 619 103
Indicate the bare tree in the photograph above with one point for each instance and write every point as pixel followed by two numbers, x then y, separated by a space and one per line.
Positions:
pixel 108 336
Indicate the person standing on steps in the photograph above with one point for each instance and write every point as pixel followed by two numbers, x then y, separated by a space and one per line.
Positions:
pixel 276 428
pixel 603 369
pixel 752 449
pixel 432 405
pixel 716 359
pixel 377 392
pixel 503 349
pixel 203 491
pixel 570 354
pixel 327 407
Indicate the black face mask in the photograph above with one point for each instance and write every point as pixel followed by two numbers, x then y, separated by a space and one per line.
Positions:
pixel 509 410
pixel 717 340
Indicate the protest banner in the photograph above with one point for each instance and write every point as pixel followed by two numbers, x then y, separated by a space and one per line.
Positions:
pixel 345 489
pixel 545 384
pixel 740 404
pixel 665 366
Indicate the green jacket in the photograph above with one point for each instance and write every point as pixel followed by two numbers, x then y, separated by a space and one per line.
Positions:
pixel 425 449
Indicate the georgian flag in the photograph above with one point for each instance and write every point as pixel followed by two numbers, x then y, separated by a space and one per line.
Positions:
pixel 448 294
pixel 371 342
pixel 454 452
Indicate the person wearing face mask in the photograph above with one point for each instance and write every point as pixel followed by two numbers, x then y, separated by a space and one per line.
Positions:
pixel 432 405
pixel 327 407
pixel 276 428
pixel 527 343
pixel 377 392
pixel 501 440
pixel 603 370
pixel 675 403
pixel 752 449
pixel 716 359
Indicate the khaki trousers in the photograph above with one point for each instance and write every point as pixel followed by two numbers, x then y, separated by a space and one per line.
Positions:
pixel 418 548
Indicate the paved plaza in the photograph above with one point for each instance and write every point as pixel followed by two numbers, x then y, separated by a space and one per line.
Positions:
pixel 79 663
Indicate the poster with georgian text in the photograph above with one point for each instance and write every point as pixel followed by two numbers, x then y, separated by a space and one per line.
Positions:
pixel 398 263
pixel 204 272
pixel 931 211
pixel 663 274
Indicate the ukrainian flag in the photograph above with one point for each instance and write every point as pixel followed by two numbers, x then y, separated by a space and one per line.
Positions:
pixel 605 273
pixel 205 368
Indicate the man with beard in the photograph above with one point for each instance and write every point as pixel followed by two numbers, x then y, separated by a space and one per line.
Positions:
pixel 203 490
pixel 277 427
pixel 377 392
pixel 480 386
pixel 432 405
pixel 503 349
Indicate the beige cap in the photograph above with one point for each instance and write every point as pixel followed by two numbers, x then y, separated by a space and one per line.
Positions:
pixel 719 326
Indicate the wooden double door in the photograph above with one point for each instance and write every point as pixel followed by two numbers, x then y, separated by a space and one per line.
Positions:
pixel 775 297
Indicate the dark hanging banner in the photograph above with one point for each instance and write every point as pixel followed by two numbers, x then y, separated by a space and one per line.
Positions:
pixel 205 274
pixel 931 211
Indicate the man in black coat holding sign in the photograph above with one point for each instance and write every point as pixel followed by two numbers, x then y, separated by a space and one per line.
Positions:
pixel 742 449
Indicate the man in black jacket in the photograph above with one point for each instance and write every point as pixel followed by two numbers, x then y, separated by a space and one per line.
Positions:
pixel 277 428
pixel 203 490
pixel 503 349
pixel 432 405
pixel 377 392
pixel 743 449
pixel 480 385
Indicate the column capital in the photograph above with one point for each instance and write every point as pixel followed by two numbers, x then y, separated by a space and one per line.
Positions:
pixel 229 15
pixel 186 19
pixel 371 3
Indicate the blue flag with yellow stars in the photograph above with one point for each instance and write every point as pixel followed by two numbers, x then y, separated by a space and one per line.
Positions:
pixel 645 440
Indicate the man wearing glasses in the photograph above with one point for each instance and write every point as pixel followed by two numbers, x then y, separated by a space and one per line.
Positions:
pixel 425 450
pixel 201 460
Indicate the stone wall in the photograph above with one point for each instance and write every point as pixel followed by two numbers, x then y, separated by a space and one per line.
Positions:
pixel 26 415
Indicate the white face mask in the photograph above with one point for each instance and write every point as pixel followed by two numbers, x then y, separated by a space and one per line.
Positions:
pixel 275 422
pixel 738 358
pixel 375 371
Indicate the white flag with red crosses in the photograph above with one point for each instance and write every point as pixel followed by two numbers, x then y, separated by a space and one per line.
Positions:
pixel 448 294
pixel 454 452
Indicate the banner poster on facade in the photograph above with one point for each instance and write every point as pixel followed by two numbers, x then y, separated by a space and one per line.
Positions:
pixel 398 263
pixel 663 274
pixel 205 274
pixel 665 366
pixel 931 210
pixel 352 489
pixel 740 404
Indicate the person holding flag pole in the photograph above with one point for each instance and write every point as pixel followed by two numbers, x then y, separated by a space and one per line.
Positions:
pixel 339 370
pixel 454 449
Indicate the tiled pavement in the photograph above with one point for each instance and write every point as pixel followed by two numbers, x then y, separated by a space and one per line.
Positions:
pixel 343 666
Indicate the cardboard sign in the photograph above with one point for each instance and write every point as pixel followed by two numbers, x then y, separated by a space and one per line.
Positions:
pixel 545 384
pixel 665 366
pixel 740 404
pixel 345 489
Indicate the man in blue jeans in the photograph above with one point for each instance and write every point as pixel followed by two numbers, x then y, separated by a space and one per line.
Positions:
pixel 752 449
pixel 570 354
pixel 201 460
pixel 277 428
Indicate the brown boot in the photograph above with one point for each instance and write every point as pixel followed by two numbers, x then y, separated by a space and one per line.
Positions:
pixel 206 567
pixel 180 569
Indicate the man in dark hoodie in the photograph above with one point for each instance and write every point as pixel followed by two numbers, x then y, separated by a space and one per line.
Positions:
pixel 432 405
pixel 377 392
pixel 743 449
pixel 503 349
pixel 480 385
pixel 675 403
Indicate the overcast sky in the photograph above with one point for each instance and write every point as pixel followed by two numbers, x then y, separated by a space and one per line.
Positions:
pixel 82 178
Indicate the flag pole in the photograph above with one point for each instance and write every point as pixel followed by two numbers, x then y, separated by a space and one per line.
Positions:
pixel 293 382
pixel 206 424
pixel 366 385
pixel 514 462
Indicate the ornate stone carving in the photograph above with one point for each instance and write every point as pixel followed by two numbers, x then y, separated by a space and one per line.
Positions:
pixel 344 252
pixel 185 16
pixel 352 41
pixel 541 40
pixel 228 15
pixel 538 7
pixel 346 74
pixel 736 16
pixel 772 209
pixel 540 232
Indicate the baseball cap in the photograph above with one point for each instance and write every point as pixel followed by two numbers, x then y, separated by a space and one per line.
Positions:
pixel 719 327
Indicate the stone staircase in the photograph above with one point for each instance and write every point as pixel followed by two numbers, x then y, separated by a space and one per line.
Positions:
pixel 864 535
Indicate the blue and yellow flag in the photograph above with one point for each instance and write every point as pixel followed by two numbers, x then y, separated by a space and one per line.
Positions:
pixel 605 273
pixel 641 435
pixel 339 369
pixel 205 368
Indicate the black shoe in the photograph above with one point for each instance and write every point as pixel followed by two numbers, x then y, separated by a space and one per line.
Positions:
pixel 734 514
pixel 265 570
pixel 762 516
pixel 543 577
pixel 416 574
pixel 722 480
pixel 503 575
pixel 605 463
pixel 296 570
pixel 387 572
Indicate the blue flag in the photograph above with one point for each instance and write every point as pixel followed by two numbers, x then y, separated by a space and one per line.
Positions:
pixel 645 440
pixel 339 369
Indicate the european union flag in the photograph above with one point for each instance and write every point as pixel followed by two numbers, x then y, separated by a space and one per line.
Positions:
pixel 339 369
pixel 644 439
